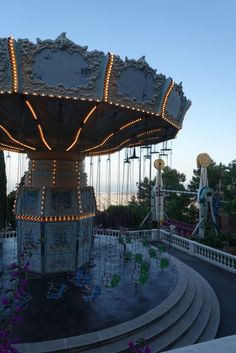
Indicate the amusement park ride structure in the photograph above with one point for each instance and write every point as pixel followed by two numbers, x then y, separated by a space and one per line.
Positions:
pixel 59 103
pixel 205 196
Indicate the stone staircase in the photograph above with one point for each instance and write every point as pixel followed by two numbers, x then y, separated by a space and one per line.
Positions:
pixel 189 315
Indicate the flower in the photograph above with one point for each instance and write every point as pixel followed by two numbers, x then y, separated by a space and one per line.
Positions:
pixel 14 265
pixel 24 282
pixel 18 309
pixel 147 349
pixel 16 318
pixel 3 334
pixel 26 266
pixel 5 301
pixel 15 274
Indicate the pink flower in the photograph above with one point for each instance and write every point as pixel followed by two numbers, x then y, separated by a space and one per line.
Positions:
pixel 24 282
pixel 14 265
pixel 5 301
pixel 15 274
pixel 131 344
pixel 18 309
pixel 16 318
pixel 17 294
pixel 26 266
pixel 3 334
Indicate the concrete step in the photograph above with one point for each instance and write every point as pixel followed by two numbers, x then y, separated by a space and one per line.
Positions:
pixel 199 324
pixel 214 320
pixel 159 327
pixel 189 314
pixel 180 328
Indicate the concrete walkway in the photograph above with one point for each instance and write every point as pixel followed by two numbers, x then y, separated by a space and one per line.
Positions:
pixel 224 285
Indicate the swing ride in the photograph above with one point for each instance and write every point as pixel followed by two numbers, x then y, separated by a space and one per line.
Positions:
pixel 59 103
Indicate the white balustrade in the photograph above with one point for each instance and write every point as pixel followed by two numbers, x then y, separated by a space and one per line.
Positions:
pixel 216 257
pixel 193 248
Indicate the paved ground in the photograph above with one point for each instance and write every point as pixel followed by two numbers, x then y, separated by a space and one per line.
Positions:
pixel 224 285
pixel 46 319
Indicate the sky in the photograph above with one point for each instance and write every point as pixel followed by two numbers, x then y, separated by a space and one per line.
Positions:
pixel 192 41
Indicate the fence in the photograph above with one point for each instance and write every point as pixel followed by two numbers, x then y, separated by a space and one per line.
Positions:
pixel 203 252
pixel 7 235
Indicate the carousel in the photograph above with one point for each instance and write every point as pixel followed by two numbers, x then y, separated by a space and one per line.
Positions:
pixel 60 103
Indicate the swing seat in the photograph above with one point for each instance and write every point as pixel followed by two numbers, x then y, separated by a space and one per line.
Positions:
pixel 128 240
pixel 164 263
pixel 81 281
pixel 127 255
pixel 115 280
pixel 138 258
pixel 143 278
pixel 96 291
pixel 121 240
pixel 57 291
pixel 145 242
pixel 144 267
pixel 152 253
pixel 162 248
pixel 22 300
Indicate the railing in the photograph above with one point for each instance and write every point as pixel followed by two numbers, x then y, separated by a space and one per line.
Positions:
pixel 203 252
pixel 7 234
pixel 117 233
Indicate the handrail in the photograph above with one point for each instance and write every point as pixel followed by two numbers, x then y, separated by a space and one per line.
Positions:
pixel 214 256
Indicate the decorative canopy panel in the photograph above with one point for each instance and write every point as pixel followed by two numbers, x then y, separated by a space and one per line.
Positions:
pixel 58 96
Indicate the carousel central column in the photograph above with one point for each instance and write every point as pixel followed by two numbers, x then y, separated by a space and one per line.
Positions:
pixel 54 212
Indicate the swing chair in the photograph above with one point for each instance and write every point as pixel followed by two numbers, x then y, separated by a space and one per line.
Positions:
pixel 128 239
pixel 162 249
pixel 144 273
pixel 128 255
pixel 164 263
pixel 21 300
pixel 138 258
pixel 81 279
pixel 111 278
pixel 153 253
pixel 92 295
pixel 145 241
pixel 112 281
pixel 120 240
pixel 56 290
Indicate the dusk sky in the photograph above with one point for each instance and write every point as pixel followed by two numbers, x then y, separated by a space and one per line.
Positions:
pixel 192 41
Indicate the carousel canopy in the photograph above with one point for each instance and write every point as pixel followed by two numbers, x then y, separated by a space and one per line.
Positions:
pixel 56 96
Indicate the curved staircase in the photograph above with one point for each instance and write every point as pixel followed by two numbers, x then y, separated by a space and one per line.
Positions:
pixel 189 315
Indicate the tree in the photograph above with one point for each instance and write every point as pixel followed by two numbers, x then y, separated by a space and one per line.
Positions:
pixel 10 204
pixel 144 191
pixel 3 191
pixel 216 177
pixel 177 206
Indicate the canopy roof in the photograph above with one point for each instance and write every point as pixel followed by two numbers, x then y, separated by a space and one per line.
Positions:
pixel 57 96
